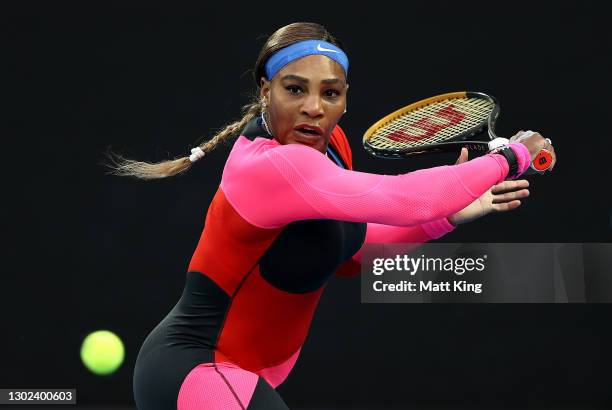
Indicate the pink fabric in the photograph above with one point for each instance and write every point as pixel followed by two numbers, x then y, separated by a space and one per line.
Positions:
pixel 277 374
pixel 216 387
pixel 377 233
pixel 438 228
pixel 522 155
pixel 271 185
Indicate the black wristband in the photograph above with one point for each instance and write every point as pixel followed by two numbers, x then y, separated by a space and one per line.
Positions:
pixel 510 156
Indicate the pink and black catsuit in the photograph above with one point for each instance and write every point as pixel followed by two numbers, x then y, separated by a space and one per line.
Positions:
pixel 285 219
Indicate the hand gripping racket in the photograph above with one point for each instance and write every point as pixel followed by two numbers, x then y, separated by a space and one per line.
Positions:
pixel 443 123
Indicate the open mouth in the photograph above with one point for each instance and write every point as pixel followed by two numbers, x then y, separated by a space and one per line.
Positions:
pixel 308 133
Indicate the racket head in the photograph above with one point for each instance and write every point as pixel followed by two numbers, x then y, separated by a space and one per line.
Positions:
pixel 434 124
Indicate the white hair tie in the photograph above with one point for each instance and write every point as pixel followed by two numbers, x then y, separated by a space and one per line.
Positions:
pixel 196 154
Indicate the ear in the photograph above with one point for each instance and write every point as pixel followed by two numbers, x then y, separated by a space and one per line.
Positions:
pixel 264 90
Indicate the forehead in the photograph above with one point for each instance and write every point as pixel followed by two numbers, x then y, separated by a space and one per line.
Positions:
pixel 315 67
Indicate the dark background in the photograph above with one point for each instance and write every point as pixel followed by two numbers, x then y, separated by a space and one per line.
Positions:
pixel 87 251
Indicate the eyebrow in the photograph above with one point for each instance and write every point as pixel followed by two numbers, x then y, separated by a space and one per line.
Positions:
pixel 305 80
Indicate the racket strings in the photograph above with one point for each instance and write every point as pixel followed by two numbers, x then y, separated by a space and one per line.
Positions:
pixel 426 126
pixel 437 122
pixel 475 110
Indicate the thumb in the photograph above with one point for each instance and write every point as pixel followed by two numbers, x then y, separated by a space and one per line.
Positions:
pixel 463 157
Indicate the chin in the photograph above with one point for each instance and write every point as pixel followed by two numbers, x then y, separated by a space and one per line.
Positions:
pixel 317 145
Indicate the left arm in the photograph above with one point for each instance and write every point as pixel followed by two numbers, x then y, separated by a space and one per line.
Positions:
pixel 502 197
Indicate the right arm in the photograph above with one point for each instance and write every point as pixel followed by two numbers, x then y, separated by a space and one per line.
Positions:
pixel 271 185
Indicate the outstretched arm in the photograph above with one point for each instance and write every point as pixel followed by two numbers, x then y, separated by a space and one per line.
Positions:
pixel 271 185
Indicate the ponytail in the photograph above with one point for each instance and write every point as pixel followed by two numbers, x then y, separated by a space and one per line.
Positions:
pixel 122 166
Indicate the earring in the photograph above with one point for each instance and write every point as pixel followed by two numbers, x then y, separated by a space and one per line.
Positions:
pixel 263 118
pixel 344 111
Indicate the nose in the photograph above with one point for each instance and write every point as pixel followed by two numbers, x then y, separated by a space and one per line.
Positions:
pixel 312 106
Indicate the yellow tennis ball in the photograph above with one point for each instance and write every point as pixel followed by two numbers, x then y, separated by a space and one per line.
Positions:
pixel 102 352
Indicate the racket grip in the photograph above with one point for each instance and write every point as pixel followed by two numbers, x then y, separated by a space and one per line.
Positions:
pixel 540 163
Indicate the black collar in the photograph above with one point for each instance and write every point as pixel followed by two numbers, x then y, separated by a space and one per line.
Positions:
pixel 256 129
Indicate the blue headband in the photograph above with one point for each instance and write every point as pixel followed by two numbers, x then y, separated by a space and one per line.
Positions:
pixel 305 48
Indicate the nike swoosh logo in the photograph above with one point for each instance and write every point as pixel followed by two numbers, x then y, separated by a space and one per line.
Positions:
pixel 325 49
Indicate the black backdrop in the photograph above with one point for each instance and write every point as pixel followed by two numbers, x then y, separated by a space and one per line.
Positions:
pixel 85 251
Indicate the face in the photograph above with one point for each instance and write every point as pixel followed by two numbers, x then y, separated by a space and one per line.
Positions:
pixel 305 101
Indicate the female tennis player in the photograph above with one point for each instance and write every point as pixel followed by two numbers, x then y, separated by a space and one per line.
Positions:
pixel 288 214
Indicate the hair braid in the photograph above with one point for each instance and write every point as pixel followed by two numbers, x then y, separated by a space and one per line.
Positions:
pixel 145 170
pixel 283 37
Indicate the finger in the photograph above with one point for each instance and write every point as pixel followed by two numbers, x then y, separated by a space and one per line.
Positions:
pixel 509 186
pixel 507 206
pixel 510 196
pixel 463 156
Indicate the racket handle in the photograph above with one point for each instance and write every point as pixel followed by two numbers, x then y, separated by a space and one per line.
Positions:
pixel 540 163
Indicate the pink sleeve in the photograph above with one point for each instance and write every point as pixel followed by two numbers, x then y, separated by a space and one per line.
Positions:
pixel 271 185
pixel 377 233
pixel 418 234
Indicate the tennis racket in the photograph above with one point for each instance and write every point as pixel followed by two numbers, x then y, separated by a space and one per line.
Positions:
pixel 444 123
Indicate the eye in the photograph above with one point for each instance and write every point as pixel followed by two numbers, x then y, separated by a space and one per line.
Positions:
pixel 332 93
pixel 294 89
